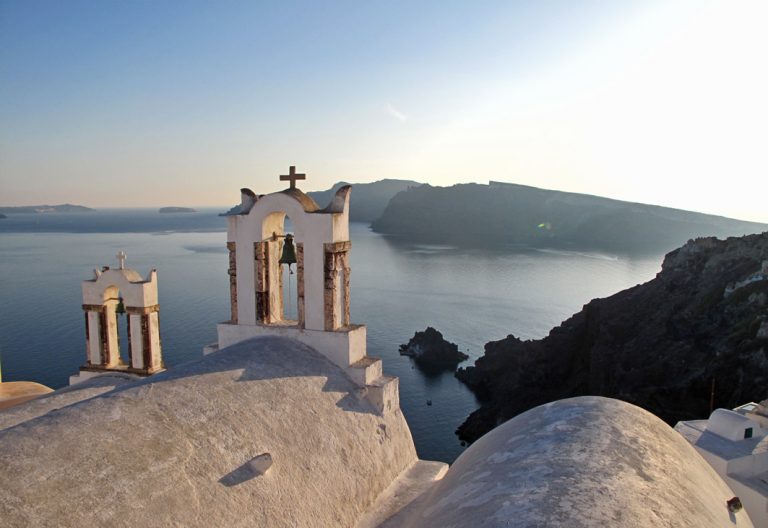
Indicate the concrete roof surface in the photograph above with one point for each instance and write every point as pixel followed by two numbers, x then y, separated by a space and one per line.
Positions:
pixel 174 449
pixel 695 431
pixel 581 462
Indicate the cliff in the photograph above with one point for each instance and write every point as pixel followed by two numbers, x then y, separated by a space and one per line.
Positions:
pixel 702 323
pixel 370 198
pixel 502 214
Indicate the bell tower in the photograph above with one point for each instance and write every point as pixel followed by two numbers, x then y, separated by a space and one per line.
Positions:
pixel 108 297
pixel 258 248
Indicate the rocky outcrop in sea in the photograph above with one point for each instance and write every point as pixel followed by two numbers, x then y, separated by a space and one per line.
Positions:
pixel 694 336
pixel 432 352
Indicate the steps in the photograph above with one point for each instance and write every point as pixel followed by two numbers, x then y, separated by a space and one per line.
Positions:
pixel 384 394
pixel 365 370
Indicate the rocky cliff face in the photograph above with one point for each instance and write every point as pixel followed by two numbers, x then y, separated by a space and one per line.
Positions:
pixel 701 323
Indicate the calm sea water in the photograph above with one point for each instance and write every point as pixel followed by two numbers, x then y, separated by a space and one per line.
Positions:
pixel 471 296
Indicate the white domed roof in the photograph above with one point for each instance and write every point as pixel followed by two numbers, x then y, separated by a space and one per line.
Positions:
pixel 175 449
pixel 581 462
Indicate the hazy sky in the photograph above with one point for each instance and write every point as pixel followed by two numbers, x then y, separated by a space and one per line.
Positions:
pixel 130 103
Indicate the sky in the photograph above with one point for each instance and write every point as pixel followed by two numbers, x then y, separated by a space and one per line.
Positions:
pixel 127 103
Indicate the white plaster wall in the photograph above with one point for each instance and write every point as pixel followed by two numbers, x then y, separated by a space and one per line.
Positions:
pixel 137 342
pixel 731 425
pixel 342 348
pixel 94 339
pixel 113 338
pixel 134 290
pixel 154 337
pixel 746 466
pixel 760 463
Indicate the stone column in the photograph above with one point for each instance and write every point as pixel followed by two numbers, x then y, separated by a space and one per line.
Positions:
pixel 300 284
pixel 232 271
pixel 146 351
pixel 336 285
pixel 261 261
pixel 111 335
pixel 345 289
pixel 95 334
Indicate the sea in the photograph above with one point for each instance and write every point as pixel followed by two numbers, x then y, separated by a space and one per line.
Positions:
pixel 472 296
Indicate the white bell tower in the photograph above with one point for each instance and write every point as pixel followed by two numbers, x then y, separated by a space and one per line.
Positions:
pixel 256 238
pixel 108 295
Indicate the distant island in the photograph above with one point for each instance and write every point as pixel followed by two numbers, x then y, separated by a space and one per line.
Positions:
pixel 2 216
pixel 63 208
pixel 505 215
pixel 692 339
pixel 368 199
pixel 177 210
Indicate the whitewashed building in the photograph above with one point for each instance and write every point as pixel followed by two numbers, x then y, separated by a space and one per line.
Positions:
pixel 735 443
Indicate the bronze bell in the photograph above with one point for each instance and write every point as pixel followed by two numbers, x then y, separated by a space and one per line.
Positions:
pixel 120 308
pixel 289 252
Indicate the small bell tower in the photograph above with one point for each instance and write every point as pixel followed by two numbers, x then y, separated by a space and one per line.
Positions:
pixel 319 247
pixel 108 297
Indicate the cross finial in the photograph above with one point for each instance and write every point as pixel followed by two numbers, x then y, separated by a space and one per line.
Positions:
pixel 292 176
pixel 121 258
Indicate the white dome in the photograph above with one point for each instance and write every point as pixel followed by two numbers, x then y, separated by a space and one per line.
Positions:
pixel 176 448
pixel 581 462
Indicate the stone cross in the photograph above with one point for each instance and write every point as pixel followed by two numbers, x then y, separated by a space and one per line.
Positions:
pixel 292 176
pixel 121 258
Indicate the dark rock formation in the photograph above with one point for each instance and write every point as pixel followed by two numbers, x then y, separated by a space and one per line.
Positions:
pixel 702 323
pixel 2 216
pixel 432 352
pixel 501 214
pixel 177 210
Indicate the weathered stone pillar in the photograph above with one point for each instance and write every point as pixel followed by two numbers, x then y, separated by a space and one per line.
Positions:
pixel 261 265
pixel 95 334
pixel 336 285
pixel 232 271
pixel 144 337
pixel 345 320
pixel 110 334
pixel 300 284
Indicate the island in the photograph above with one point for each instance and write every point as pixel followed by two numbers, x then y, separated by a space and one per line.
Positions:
pixel 177 210
pixel 370 198
pixel 2 216
pixel 500 215
pixel 431 352
pixel 62 208
pixel 692 339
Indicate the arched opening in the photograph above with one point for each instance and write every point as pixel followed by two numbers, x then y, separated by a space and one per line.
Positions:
pixel 116 339
pixel 278 275
pixel 288 275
